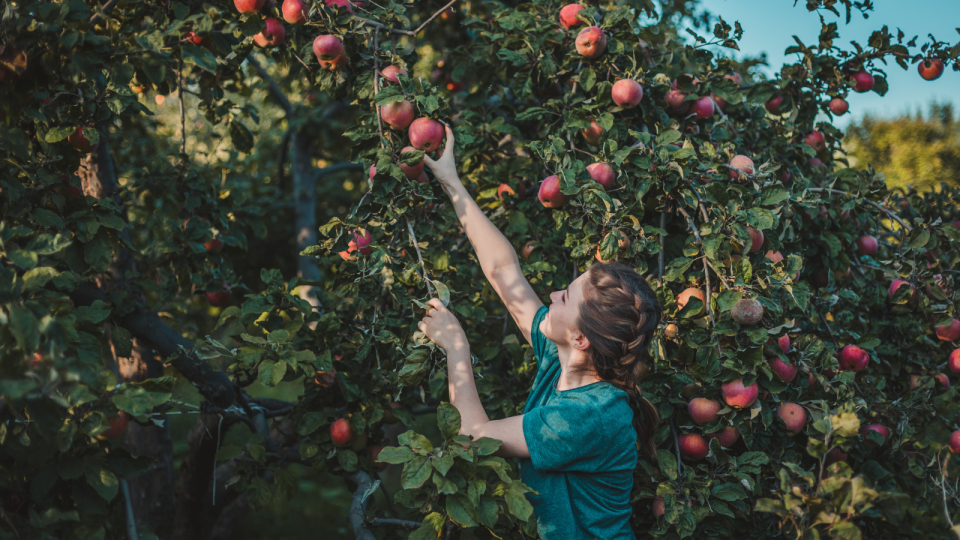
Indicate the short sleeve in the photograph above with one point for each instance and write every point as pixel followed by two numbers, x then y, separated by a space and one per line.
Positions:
pixel 567 435
pixel 544 349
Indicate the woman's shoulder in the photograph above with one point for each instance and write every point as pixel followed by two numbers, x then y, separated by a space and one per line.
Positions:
pixel 603 396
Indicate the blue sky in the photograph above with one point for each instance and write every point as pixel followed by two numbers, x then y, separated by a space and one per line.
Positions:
pixel 770 24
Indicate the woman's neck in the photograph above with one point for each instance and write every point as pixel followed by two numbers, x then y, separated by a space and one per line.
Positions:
pixel 574 371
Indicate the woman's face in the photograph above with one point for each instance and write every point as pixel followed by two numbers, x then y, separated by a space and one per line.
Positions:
pixel 560 324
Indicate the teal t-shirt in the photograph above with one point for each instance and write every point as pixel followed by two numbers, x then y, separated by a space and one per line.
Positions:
pixel 583 451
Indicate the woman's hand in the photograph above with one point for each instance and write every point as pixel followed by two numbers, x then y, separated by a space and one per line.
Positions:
pixel 442 326
pixel 445 168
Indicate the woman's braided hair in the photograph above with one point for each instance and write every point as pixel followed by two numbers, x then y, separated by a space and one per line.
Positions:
pixel 619 314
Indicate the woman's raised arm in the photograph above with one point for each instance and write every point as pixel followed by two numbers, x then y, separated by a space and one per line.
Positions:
pixel 497 257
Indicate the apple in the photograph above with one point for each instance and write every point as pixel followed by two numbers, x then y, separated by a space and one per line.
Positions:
pixel 949 332
pixel 675 102
pixel 603 174
pixel 689 293
pixel 626 93
pixel 739 396
pixel 550 194
pixel 882 430
pixel 953 361
pixel 426 134
pixel 834 455
pixel 325 379
pixel 955 442
pixel 215 245
pixel 786 372
pixel 756 240
pixel 784 343
pixel 703 410
pixel 794 417
pixel 815 140
pixel 294 11
pixel 622 241
pixel 703 108
pixel 363 242
pixel 773 256
pixel 341 4
pixel 740 167
pixel 773 106
pixel 867 245
pixel 327 47
pixel 505 190
pixel 591 42
pixel 374 453
pixel 81 143
pixel 390 73
pixel 727 436
pixel 336 63
pixel 815 163
pixel 930 69
pixel 659 504
pixel 248 6
pixel 411 172
pixel 671 330
pixel 568 16
pixel 689 390
pixel 341 432
pixel 747 311
pixel 273 35
pixel 528 249
pixel 118 424
pixel 220 298
pixel 896 284
pixel 593 133
pixel 853 358
pixel 839 106
pixel 397 114
pixel 693 446
pixel 372 173
pixel 862 81
pixel 34 361
pixel 943 380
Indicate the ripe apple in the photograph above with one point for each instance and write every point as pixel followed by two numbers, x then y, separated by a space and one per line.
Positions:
pixel 294 11
pixel 622 242
pixel 727 436
pixel 411 172
pixel 815 140
pixel 943 380
pixel 867 245
pixel 773 106
pixel 626 93
pixel 363 242
pixel 659 504
pixel 603 174
pixel 689 390
pixel 693 446
pixel 568 16
pixel 248 6
pixel 273 35
pixel 528 249
pixel 550 194
pixel 591 42
pixel 794 417
pixel 949 332
pixel 219 298
pixel 675 102
pixel 397 114
pixel 327 47
pixel 703 108
pixel 671 330
pixel 325 379
pixel 739 396
pixel 773 256
pixel 747 311
pixel 390 73
pixel 786 372
pixel 896 284
pixel 335 64
pixel 593 133
pixel 80 142
pixel 374 453
pixel 853 358
pixel 504 190
pixel 426 134
pixel 703 410
pixel 882 430
pixel 839 106
pixel 862 82
pixel 955 442
pixel 756 240
pixel 930 69
pixel 34 361
pixel 341 432
pixel 740 167
pixel 953 361
pixel 215 245
pixel 689 293
pixel 815 163
pixel 118 424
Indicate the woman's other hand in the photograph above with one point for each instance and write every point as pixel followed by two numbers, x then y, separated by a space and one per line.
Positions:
pixel 445 168
pixel 442 326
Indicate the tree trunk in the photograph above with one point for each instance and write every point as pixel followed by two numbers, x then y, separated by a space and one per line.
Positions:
pixel 304 195
pixel 192 519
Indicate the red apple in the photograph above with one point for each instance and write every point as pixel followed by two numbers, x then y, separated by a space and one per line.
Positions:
pixel 294 11
pixel 943 380
pixel 784 343
pixel 626 93
pixel 593 133
pixel 756 240
pixel 248 6
pixel 327 47
pixel 528 249
pixel 34 361
pixel 703 108
pixel 838 106
pixel 740 167
pixel 411 172
pixel 687 294
pixel 786 372
pixel 504 190
pixel 693 446
pixel 773 256
pixel 882 430
pixel 867 245
pixel 739 396
pixel 815 140
pixel 591 42
pixel 273 35
pixel 949 332
pixel 862 82
pixel 568 16
pixel 747 311
pixel 363 242
pixel 930 69
pixel 794 417
pixel 550 194
pixel 953 361
pixel 815 163
pixel 622 241
pixel 341 432
pixel 80 142
pixel 727 436
pixel 398 114
pixel 603 174
pixel 215 245
pixel 773 106
pixel 336 63
pixel 220 298
pixel 659 504
pixel 390 73
pixel 675 102
pixel 955 442
pixel 703 410
pixel 853 358
pixel 325 379
pixel 426 134
pixel 118 424
pixel 374 453
pixel 896 284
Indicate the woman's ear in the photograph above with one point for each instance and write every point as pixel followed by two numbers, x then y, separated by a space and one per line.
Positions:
pixel 580 342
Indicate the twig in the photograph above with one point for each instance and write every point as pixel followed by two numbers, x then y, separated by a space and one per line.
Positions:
pixel 128 507
pixel 693 227
pixel 183 121
pixel 892 214
pixel 413 238
pixel 663 226
pixel 411 33
pixel 825 323
pixel 376 82
pixel 676 446
pixel 943 487
pixel 272 86
pixel 97 16
pixel 387 522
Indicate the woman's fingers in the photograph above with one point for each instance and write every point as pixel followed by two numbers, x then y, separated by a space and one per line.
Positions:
pixel 448 148
pixel 436 303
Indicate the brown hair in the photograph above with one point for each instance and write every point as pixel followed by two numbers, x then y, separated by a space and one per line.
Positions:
pixel 619 314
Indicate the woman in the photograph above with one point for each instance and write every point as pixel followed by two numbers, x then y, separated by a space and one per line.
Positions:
pixel 574 440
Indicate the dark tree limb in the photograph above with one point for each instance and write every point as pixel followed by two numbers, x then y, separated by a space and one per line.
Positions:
pixel 893 215
pixel 358 507
pixel 227 520
pixel 402 523
pixel 196 473
pixel 272 86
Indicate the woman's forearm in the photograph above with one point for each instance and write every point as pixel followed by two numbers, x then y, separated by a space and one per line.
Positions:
pixel 463 390
pixel 492 247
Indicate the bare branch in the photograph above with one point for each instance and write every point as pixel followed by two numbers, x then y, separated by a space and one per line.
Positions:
pixel 105 10
pixel 272 86
pixel 413 238
pixel 357 520
pixel 411 33
pixel 892 214
pixel 403 523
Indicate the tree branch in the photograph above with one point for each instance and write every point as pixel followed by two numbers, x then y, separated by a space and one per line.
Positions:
pixel 413 239
pixel 272 86
pixel 892 214
pixel 357 506
pixel 404 523
pixel 411 33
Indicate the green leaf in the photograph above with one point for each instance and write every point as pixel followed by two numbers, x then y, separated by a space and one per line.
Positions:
pixel 517 504
pixel 241 137
pixel 462 510
pixel 347 459
pixel 199 56
pixel 38 277
pixel 395 455
pixel 59 133
pixel 667 137
pixel 487 446
pixel 94 313
pixel 728 492
pixel 46 218
pixel 415 472
pixel 772 195
pixel 588 78
pixel 676 268
pixel 415 441
pixel 448 420
pixel 104 482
